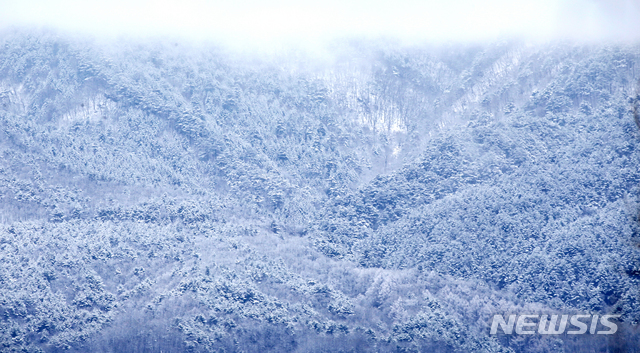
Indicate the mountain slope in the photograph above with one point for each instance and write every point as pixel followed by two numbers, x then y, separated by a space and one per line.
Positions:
pixel 160 196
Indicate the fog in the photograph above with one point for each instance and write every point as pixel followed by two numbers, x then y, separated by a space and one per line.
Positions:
pixel 250 24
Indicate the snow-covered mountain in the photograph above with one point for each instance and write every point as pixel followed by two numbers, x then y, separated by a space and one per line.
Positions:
pixel 167 197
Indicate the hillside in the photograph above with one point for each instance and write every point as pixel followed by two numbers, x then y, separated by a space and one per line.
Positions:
pixel 163 196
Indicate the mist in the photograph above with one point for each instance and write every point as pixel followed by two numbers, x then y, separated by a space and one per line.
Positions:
pixel 262 25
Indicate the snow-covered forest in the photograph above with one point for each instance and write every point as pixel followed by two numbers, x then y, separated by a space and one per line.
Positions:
pixel 165 197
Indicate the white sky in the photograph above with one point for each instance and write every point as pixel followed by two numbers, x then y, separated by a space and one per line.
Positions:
pixel 263 23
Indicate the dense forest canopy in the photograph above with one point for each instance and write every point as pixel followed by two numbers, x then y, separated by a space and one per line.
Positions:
pixel 160 196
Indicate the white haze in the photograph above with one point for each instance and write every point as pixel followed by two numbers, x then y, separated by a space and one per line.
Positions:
pixel 251 24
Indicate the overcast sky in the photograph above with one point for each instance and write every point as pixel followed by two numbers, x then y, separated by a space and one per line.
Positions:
pixel 260 23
